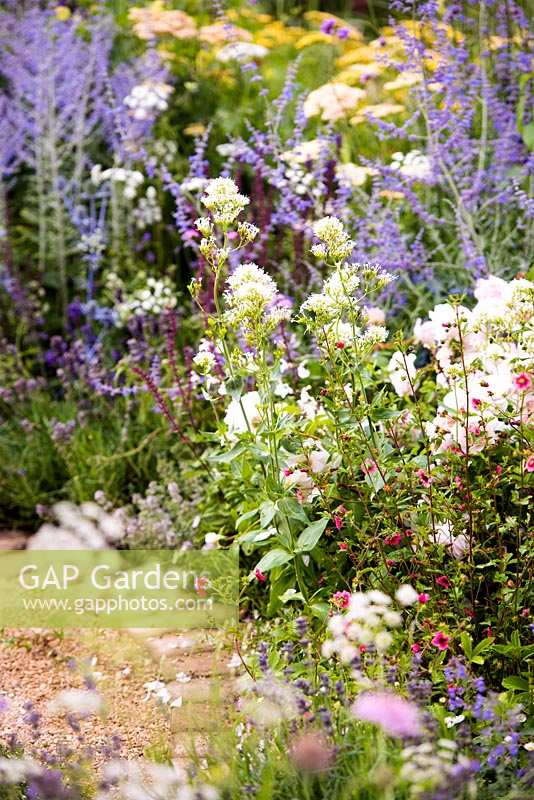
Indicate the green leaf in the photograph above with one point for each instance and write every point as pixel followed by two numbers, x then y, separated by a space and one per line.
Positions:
pixel 245 518
pixel 528 135
pixel 467 645
pixel 291 594
pixel 516 682
pixel 267 512
pixel 320 610
pixel 274 558
pixel 228 456
pixel 311 535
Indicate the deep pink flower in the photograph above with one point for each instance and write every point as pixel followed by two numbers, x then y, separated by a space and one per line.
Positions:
pixel 341 599
pixel 441 640
pixel 424 597
pixel 425 479
pixel 338 522
pixel 260 576
pixel 343 545
pixel 395 539
pixel 529 463
pixel 394 714
pixel 443 581
pixel 415 648
pixel 369 466
pixel 523 382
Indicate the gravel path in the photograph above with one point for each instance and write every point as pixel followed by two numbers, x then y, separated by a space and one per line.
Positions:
pixel 36 666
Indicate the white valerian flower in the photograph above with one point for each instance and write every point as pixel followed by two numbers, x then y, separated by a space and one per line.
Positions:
pixel 205 226
pixel 337 243
pixel 224 200
pixel 402 372
pixel 147 99
pixel 76 701
pixel 251 302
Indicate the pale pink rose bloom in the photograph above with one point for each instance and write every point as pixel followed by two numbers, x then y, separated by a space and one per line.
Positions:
pixel 491 289
pixel 375 316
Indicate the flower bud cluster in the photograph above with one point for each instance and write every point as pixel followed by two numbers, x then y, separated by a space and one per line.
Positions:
pixel 224 200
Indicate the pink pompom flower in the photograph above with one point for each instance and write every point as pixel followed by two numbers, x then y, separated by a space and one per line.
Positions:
pixel 396 716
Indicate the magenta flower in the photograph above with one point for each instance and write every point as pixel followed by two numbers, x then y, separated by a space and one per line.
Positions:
pixel 523 382
pixel 395 715
pixel 441 640
pixel 423 597
pixel 425 479
pixel 443 581
pixel 341 599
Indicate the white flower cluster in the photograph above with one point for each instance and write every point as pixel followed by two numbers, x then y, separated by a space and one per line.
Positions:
pixel 204 360
pixel 131 179
pixel 154 298
pixel 413 164
pixel 268 701
pixel 224 200
pixel 427 766
pixel 336 243
pixel 147 99
pixel 147 211
pixel 333 101
pixel 93 243
pixel 298 173
pixel 251 301
pixel 367 620
pixel 335 314
pixel 242 52
pixel 18 770
pixel 163 152
pixel 146 780
pixel 84 527
pixel 485 358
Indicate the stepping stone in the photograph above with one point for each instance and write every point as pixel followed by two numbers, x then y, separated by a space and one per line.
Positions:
pixel 200 690
pixel 200 664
